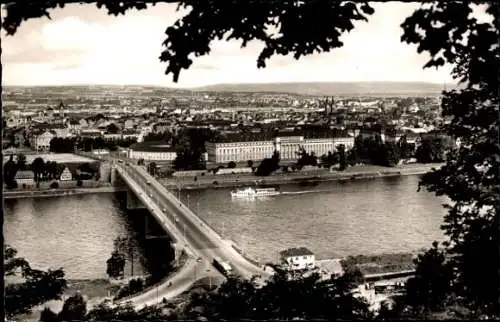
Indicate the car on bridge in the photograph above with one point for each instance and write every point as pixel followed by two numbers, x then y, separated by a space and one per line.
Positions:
pixel 222 266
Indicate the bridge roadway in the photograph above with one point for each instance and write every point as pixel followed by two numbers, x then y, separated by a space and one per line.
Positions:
pixel 201 240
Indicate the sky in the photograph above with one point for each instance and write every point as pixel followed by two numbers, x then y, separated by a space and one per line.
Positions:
pixel 81 44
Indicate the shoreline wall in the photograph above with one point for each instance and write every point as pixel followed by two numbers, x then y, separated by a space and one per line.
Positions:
pixel 230 181
pixel 59 192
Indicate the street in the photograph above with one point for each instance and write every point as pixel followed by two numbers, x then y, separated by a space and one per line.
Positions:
pixel 202 241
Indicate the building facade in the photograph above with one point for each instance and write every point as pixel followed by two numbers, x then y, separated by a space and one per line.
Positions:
pixel 298 259
pixel 41 142
pixel 152 151
pixel 288 147
pixel 25 178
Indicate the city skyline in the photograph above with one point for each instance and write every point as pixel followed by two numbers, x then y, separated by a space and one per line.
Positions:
pixel 83 45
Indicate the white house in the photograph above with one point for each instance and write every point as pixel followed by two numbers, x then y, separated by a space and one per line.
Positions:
pixel 66 175
pixel 42 141
pixel 298 258
pixel 26 178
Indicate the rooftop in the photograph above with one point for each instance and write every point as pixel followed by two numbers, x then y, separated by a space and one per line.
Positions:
pixel 152 146
pixel 291 252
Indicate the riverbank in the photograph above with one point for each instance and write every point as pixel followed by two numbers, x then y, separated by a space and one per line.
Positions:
pixel 303 177
pixel 381 263
pixel 40 193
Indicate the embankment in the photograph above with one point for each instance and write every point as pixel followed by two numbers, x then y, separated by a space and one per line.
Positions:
pixel 58 192
pixel 320 175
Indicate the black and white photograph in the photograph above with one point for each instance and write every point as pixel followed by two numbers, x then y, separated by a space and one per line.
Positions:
pixel 257 160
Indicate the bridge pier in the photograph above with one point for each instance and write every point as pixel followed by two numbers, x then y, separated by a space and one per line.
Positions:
pixel 133 202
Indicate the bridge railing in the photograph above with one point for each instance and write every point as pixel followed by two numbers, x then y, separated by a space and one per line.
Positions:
pixel 172 198
pixel 174 229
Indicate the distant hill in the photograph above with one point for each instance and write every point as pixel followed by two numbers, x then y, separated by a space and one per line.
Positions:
pixel 335 88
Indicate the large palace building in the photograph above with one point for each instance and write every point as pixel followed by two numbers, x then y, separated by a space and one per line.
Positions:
pixel 287 146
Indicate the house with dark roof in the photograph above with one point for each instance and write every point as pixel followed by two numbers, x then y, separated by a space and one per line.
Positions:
pixel 152 151
pixel 298 259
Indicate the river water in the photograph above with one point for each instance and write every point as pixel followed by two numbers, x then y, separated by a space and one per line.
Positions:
pixel 332 219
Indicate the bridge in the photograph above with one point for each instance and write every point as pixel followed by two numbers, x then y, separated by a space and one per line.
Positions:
pixel 187 231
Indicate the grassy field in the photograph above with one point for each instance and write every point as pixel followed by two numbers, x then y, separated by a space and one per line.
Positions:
pixel 382 263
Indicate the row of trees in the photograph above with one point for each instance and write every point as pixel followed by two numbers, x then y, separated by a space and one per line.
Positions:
pixel 43 171
pixel 190 147
pixel 68 145
pixel 371 150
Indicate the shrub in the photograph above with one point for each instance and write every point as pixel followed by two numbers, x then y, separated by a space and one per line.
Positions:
pixel 79 183
pixel 54 185
pixel 134 286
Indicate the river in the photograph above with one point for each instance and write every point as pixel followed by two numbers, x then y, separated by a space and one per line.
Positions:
pixel 332 219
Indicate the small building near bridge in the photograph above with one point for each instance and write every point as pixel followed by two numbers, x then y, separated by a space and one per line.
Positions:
pixel 298 259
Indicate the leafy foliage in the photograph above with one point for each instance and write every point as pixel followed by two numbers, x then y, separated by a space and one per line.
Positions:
pixel 134 286
pixel 74 309
pixel 21 161
pixel 115 265
pixel 268 165
pixel 152 168
pixel 431 286
pixel 38 286
pixel 431 150
pixel 306 158
pixel 286 296
pixel 471 175
pixel 9 173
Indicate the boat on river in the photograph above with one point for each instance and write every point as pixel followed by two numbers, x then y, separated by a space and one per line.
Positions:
pixel 250 192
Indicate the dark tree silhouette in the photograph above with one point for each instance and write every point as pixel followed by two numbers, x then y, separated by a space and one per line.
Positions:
pixel 47 315
pixel 285 296
pixel 268 165
pixel 152 168
pixel 38 168
pixel 342 156
pixel 9 173
pixel 112 128
pixel 115 265
pixel 37 286
pixel 429 289
pixel 21 162
pixel 471 175
pixel 74 309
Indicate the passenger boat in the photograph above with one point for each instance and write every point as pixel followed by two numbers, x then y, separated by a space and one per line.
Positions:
pixel 254 192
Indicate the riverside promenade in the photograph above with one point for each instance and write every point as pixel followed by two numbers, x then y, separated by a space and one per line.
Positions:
pixel 319 175
pixel 41 193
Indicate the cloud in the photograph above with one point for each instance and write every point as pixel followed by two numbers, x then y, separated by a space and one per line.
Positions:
pixel 82 44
